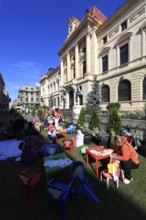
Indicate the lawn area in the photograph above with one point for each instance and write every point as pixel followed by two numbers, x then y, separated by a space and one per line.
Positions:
pixel 127 202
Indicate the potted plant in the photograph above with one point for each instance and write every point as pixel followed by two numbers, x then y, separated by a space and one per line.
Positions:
pixel 87 135
pixel 102 138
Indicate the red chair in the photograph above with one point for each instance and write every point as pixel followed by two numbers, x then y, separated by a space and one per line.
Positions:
pixel 30 179
pixel 68 144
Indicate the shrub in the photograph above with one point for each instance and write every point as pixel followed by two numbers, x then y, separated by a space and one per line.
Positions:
pixel 82 118
pixel 114 123
pixel 94 121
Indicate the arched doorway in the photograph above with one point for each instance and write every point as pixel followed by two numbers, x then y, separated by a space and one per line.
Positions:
pixel 71 99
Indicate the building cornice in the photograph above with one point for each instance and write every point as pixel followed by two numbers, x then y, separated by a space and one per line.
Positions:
pixel 116 15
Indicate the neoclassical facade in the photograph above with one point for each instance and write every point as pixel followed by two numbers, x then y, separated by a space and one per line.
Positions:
pixel 29 97
pixel 50 88
pixel 114 49
pixel 121 56
pixel 78 58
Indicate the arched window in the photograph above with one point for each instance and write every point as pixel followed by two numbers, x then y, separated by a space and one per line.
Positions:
pixel 144 88
pixel 124 91
pixel 105 93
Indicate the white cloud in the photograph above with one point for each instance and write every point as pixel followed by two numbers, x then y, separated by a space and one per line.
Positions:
pixel 23 73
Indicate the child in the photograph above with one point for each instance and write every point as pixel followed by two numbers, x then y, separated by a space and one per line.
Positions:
pixel 51 132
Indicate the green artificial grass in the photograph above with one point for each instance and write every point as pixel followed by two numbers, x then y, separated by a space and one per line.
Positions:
pixel 134 193
pixel 126 203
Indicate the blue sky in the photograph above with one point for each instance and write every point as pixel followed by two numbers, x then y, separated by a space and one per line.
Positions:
pixel 32 32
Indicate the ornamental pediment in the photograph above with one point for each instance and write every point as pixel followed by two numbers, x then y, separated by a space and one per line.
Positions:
pixel 104 50
pixel 124 37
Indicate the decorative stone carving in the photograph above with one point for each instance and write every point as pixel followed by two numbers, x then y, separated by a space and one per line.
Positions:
pixel 113 32
pixel 137 15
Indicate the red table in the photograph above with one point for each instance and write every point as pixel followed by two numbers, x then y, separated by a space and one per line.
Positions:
pixel 96 157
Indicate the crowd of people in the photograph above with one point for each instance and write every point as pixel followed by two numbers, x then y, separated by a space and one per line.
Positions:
pixel 51 121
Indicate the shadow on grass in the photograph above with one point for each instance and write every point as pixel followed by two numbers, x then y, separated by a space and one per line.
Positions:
pixel 115 204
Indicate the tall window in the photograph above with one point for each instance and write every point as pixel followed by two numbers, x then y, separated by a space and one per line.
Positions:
pixel 84 50
pixel 105 63
pixel 81 100
pixel 58 101
pixel 105 93
pixel 54 102
pixel 124 91
pixel 31 99
pixel 74 73
pixel 144 88
pixel 84 67
pixel 105 40
pixel 124 25
pixel 124 54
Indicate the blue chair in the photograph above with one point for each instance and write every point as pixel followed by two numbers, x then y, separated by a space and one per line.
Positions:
pixel 79 184
pixel 59 192
pixel 85 183
pixel 70 129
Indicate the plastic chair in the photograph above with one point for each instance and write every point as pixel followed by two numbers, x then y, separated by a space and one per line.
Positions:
pixel 59 192
pixel 70 129
pixel 68 144
pixel 86 185
pixel 50 149
pixel 111 173
pixel 30 179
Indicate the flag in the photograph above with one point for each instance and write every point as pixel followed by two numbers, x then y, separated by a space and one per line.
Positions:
pixel 78 90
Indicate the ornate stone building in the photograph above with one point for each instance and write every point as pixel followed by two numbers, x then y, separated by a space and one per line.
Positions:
pixel 78 58
pixel 121 56
pixel 4 96
pixel 50 88
pixel 29 97
pixel 114 49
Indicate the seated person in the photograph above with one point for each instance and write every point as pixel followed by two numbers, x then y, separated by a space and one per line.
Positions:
pixel 127 156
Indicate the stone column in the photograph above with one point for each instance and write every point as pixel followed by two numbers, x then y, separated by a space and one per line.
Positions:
pixel 94 46
pixel 88 55
pixel 118 57
pixel 68 68
pixel 77 61
pixel 143 44
pixel 62 73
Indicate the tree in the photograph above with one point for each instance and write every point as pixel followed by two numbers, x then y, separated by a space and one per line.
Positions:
pixel 82 118
pixel 114 123
pixel 94 97
pixel 94 123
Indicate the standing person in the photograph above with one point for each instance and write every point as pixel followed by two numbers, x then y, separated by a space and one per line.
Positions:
pixel 57 117
pixel 127 156
pixel 46 119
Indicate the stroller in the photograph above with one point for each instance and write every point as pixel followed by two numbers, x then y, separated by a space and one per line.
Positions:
pixel 131 138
